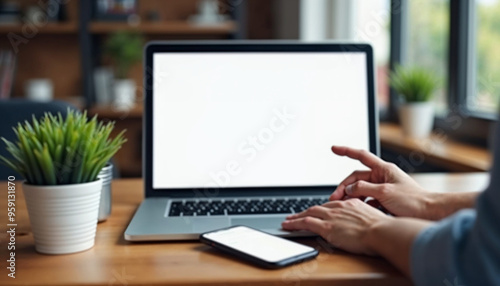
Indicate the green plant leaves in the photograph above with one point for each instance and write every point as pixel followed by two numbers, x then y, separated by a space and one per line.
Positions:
pixel 125 49
pixel 57 151
pixel 414 84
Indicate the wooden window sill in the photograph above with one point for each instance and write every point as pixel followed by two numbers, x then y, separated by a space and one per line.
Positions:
pixel 436 149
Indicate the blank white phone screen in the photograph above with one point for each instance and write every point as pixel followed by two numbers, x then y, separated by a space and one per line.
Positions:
pixel 257 119
pixel 261 245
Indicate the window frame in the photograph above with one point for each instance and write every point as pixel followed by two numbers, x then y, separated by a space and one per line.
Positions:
pixel 460 122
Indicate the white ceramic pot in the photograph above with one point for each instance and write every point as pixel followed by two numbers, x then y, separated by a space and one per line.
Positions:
pixel 124 93
pixel 417 119
pixel 64 217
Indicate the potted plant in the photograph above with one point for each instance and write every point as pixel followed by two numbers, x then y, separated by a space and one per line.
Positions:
pixel 416 87
pixel 60 160
pixel 124 49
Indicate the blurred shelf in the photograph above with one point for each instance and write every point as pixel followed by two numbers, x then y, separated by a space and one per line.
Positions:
pixel 111 112
pixel 173 28
pixel 440 150
pixel 49 28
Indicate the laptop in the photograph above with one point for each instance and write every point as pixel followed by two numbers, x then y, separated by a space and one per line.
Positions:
pixel 239 133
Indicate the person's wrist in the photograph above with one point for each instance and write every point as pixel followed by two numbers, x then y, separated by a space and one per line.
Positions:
pixel 433 206
pixel 373 235
pixel 441 205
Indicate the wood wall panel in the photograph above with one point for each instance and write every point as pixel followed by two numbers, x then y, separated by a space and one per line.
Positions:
pixel 260 19
pixel 56 57
pixel 47 55
pixel 168 9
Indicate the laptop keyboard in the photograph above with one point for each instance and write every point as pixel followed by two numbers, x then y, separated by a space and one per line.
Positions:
pixel 242 206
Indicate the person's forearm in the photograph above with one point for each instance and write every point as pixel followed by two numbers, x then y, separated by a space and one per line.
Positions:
pixel 393 238
pixel 441 205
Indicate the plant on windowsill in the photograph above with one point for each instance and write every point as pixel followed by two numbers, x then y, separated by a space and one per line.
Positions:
pixel 60 158
pixel 416 87
pixel 124 49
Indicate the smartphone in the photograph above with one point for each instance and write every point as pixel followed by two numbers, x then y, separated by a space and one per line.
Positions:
pixel 258 247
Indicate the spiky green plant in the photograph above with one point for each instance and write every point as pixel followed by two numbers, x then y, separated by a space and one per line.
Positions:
pixel 414 84
pixel 57 151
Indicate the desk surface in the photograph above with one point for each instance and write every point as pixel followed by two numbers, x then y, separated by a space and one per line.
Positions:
pixel 114 261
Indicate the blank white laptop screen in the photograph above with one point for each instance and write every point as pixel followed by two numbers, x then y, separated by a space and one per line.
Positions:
pixel 247 119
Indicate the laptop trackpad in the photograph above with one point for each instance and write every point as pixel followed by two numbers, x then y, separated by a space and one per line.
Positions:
pixel 204 224
pixel 260 223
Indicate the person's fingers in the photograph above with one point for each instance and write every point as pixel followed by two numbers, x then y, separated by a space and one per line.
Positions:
pixel 338 204
pixel 332 204
pixel 314 211
pixel 374 203
pixel 312 224
pixel 371 202
pixel 339 193
pixel 364 189
pixel 368 159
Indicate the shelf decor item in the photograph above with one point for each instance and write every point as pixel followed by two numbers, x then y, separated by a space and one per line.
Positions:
pixel 7 72
pixel 40 89
pixel 124 49
pixel 416 87
pixel 10 13
pixel 115 10
pixel 56 11
pixel 208 14
pixel 60 160
pixel 103 84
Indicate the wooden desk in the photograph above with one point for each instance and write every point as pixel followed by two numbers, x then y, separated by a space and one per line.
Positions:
pixel 113 261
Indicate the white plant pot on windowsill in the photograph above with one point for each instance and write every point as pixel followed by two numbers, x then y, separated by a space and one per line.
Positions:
pixel 63 218
pixel 124 94
pixel 416 119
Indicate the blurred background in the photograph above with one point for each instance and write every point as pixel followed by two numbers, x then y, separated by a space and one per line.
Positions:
pixel 89 53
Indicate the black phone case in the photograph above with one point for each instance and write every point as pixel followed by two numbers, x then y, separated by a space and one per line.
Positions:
pixel 255 260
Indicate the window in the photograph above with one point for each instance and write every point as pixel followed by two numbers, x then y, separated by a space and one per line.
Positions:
pixel 366 21
pixel 428 34
pixel 457 40
pixel 487 58
pixel 371 23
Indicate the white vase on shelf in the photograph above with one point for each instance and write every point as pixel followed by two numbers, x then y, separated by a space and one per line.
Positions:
pixel 40 89
pixel 124 94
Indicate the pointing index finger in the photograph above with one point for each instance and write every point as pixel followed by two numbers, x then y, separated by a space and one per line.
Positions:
pixel 368 159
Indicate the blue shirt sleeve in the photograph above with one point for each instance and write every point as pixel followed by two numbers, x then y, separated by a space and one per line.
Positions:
pixel 464 249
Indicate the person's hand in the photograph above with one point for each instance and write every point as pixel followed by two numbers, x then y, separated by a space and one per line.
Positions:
pixel 397 192
pixel 344 224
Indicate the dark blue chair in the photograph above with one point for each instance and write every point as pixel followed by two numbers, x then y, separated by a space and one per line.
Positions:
pixel 13 111
pixel 16 110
